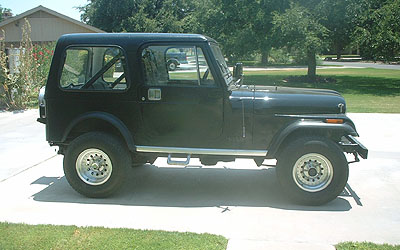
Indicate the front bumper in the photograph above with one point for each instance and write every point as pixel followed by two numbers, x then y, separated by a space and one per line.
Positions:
pixel 352 145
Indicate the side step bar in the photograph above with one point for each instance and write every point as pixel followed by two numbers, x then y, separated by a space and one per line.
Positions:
pixel 201 151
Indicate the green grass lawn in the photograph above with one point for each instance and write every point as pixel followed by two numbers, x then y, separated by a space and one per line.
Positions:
pixel 365 90
pixel 365 246
pixel 26 237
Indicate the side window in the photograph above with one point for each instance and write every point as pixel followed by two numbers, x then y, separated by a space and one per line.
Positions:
pixel 116 70
pixel 94 68
pixel 75 69
pixel 178 65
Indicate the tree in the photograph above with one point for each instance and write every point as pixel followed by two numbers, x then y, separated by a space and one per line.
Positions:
pixel 298 29
pixel 227 22
pixel 2 11
pixel 107 14
pixel 138 16
pixel 339 17
pixel 243 27
pixel 378 30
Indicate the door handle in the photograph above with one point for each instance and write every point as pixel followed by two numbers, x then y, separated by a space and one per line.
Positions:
pixel 154 94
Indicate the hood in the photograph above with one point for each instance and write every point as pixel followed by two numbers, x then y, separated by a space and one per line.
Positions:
pixel 285 100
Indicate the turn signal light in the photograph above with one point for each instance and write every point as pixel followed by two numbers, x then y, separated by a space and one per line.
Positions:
pixel 335 121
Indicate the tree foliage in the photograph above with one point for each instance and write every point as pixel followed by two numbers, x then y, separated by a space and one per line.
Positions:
pixel 339 17
pixel 139 16
pixel 242 27
pixel 297 28
pixel 3 10
pixel 378 30
pixel 247 27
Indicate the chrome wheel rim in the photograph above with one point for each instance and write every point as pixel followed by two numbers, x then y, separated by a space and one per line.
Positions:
pixel 93 166
pixel 312 172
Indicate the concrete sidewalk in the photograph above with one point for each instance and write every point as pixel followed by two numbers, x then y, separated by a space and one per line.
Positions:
pixel 234 244
pixel 237 200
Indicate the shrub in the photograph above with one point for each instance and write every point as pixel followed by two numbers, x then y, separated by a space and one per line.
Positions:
pixel 19 86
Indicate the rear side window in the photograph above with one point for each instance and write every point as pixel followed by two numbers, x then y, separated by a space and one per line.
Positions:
pixel 94 68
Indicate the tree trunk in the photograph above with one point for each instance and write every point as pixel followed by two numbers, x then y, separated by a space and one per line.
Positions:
pixel 264 57
pixel 312 66
pixel 338 52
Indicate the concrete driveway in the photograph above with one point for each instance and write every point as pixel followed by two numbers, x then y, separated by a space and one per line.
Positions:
pixel 238 200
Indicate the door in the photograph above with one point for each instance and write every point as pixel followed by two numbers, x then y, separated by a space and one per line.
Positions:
pixel 181 103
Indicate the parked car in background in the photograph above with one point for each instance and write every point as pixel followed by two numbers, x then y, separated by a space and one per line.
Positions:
pixel 175 57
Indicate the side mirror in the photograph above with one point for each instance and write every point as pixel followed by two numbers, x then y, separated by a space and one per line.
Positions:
pixel 238 73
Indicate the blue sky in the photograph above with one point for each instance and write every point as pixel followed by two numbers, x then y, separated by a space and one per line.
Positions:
pixel 65 7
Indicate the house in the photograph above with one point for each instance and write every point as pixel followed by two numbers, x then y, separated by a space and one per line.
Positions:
pixel 47 26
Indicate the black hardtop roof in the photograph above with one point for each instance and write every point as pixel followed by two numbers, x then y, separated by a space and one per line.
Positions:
pixel 130 38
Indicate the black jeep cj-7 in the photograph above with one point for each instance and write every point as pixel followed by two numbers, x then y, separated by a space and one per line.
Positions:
pixel 111 102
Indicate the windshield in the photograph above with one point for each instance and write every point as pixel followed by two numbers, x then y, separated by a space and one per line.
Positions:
pixel 226 73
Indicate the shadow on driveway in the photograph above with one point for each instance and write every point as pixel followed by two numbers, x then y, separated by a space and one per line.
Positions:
pixel 191 187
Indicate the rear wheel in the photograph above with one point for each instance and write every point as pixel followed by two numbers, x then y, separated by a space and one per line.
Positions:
pixel 312 170
pixel 95 164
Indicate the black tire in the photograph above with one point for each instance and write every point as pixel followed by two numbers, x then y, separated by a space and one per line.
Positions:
pixel 312 170
pixel 93 177
pixel 172 65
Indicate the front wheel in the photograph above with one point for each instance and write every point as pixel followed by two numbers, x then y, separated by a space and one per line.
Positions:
pixel 312 170
pixel 95 164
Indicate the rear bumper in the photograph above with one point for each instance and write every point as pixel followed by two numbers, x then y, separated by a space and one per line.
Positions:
pixel 41 120
pixel 354 146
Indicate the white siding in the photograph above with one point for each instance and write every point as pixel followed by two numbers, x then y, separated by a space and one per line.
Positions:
pixel 45 27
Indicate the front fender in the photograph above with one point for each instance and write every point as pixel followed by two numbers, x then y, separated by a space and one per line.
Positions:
pixel 109 118
pixel 308 125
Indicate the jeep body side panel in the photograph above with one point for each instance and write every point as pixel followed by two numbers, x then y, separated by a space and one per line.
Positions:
pixel 276 108
pixel 126 105
pixel 300 125
pixel 97 117
pixel 74 103
pixel 183 115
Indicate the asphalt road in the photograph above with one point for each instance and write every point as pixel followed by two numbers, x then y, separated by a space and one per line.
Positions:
pixel 238 200
pixel 362 65
pixel 329 65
